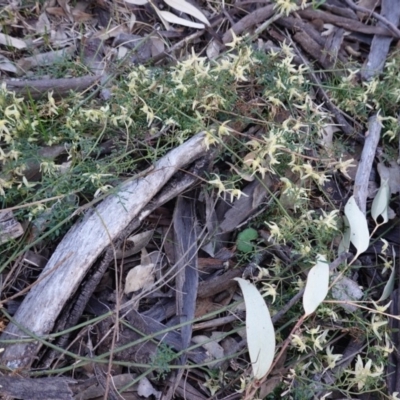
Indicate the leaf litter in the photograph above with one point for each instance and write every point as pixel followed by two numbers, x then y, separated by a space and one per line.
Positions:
pixel 180 335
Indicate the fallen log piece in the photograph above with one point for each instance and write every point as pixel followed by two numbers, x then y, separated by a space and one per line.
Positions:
pixel 346 23
pixel 38 89
pixel 36 389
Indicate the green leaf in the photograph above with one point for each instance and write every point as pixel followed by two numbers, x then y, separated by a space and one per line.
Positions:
pixel 317 285
pixel 259 329
pixel 381 203
pixel 359 234
pixel 243 241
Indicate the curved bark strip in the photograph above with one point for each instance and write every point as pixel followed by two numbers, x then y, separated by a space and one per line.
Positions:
pixel 82 245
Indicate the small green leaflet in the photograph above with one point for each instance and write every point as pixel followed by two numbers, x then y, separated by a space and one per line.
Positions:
pixel 359 234
pixel 259 329
pixel 243 241
pixel 317 285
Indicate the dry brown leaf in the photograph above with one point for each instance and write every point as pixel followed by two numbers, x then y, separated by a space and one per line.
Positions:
pixel 140 277
pixel 59 37
pixel 146 389
pixel 82 6
pixel 10 228
pixel 7 65
pixel 122 52
pixel 214 349
pixel 392 174
pixel 213 49
pixel 205 306
pixel 56 11
pixel 43 25
pixel 7 40
pixel 326 134
pixel 108 32
pixel 67 9
pixel 132 22
pixel 157 46
pixel 345 289
pixel 244 175
pixel 135 244
pixel 270 385
pixel 80 16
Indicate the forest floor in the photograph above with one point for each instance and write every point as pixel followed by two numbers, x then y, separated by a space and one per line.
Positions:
pixel 199 199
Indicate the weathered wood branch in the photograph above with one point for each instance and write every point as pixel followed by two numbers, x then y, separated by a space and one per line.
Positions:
pixel 35 389
pixel 346 23
pixel 81 247
pixel 365 165
pixel 381 44
pixel 38 89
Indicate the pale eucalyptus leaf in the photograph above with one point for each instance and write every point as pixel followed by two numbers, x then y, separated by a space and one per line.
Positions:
pixel 259 329
pixel 317 285
pixel 359 233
